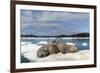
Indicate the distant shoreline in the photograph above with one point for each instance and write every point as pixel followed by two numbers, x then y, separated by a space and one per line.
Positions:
pixel 63 35
pixel 54 37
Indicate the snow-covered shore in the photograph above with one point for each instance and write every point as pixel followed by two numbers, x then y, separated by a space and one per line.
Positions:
pixel 29 50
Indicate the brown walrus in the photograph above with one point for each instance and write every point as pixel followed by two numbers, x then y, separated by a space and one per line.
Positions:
pixel 71 49
pixel 55 47
pixel 66 48
pixel 45 50
pixel 61 45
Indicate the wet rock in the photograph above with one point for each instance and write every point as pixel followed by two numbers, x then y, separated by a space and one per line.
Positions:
pixel 24 60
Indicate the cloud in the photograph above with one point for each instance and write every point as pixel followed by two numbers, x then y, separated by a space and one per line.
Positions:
pixel 61 16
pixel 53 22
pixel 50 30
pixel 29 16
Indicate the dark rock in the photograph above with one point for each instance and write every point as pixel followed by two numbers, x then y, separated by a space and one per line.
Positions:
pixel 24 60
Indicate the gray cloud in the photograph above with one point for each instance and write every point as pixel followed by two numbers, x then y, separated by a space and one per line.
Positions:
pixel 53 22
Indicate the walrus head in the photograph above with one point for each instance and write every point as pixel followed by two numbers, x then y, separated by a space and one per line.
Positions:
pixel 42 52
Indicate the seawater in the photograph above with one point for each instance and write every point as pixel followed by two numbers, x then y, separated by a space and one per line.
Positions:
pixel 82 43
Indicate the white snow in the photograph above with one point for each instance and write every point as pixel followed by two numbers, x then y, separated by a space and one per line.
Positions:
pixel 68 43
pixel 25 43
pixel 29 51
pixel 84 44
pixel 42 42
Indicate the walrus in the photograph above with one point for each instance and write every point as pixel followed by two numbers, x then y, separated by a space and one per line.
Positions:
pixel 66 48
pixel 45 50
pixel 61 46
pixel 71 48
pixel 55 47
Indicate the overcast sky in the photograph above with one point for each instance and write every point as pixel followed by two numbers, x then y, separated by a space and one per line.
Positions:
pixel 48 23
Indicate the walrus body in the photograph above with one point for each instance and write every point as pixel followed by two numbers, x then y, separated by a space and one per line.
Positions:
pixel 61 46
pixel 43 51
pixel 55 47
pixel 71 49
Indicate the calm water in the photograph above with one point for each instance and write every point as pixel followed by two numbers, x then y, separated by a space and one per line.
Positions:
pixel 81 43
